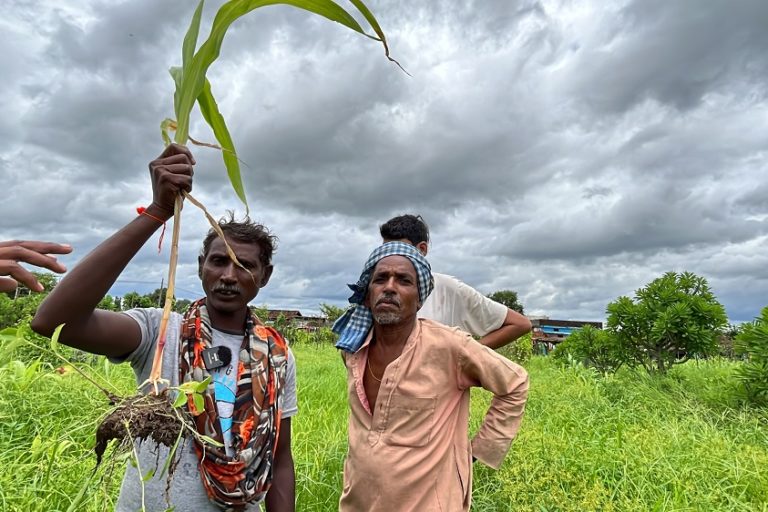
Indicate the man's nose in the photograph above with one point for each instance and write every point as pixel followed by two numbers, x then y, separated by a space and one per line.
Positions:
pixel 229 272
pixel 389 285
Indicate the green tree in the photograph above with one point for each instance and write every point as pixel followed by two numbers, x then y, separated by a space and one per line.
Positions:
pixel 262 312
pixel 157 297
pixel 19 310
pixel 325 335
pixel 181 305
pixel 331 312
pixel 752 342
pixel 109 303
pixel 593 347
pixel 134 300
pixel 19 305
pixel 508 298
pixel 670 320
pixel 520 350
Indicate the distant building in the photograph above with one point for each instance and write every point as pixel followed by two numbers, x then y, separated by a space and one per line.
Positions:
pixel 295 319
pixel 547 333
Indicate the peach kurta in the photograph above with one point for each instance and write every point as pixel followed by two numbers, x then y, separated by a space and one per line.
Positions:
pixel 413 453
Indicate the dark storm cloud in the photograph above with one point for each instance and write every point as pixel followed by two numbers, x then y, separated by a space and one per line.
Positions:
pixel 569 151
pixel 675 53
pixel 360 120
pixel 108 88
pixel 647 219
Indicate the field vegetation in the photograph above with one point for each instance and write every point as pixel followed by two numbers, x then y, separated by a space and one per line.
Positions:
pixel 684 441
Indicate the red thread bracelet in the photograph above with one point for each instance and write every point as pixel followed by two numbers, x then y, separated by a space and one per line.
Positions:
pixel 143 211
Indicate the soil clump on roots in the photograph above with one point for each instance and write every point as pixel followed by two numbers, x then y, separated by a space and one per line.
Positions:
pixel 143 417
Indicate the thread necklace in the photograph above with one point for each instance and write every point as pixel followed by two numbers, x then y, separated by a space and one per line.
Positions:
pixel 368 364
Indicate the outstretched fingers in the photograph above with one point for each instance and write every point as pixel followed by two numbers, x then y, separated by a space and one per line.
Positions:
pixel 32 252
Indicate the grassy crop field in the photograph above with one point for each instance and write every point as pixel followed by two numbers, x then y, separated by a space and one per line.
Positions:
pixel 589 443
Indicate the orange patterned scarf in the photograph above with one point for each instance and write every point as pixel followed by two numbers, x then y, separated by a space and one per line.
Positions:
pixel 234 482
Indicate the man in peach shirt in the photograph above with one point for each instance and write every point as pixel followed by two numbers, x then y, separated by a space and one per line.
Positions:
pixel 408 382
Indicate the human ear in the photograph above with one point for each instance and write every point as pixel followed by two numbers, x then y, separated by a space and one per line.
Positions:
pixel 266 275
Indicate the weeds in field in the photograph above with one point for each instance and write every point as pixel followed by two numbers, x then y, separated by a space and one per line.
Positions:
pixel 624 442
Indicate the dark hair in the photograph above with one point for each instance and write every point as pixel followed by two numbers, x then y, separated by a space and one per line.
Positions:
pixel 245 231
pixel 409 227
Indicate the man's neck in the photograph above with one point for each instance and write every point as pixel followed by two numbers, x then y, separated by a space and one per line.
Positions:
pixel 228 322
pixel 392 336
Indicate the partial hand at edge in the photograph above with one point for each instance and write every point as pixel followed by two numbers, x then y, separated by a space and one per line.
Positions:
pixel 28 251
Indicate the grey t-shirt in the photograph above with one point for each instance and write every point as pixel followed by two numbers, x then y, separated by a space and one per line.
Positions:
pixel 186 490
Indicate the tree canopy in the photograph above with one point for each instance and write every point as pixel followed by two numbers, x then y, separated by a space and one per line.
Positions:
pixel 331 312
pixel 593 347
pixel 670 320
pixel 752 343
pixel 508 298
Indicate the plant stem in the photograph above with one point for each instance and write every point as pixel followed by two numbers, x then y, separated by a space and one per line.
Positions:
pixel 157 363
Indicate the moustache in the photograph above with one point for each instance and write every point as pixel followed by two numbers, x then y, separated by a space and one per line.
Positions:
pixel 388 299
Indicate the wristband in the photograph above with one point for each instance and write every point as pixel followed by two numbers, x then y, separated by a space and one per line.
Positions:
pixel 143 211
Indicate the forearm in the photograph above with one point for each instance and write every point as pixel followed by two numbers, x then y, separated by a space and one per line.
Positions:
pixel 74 300
pixel 508 382
pixel 501 424
pixel 514 326
pixel 281 497
pixel 504 335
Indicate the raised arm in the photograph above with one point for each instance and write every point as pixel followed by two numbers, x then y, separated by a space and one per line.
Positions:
pixel 492 322
pixel 35 253
pixel 73 301
pixel 508 381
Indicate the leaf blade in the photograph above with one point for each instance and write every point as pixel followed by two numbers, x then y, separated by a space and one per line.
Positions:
pixel 210 110
pixel 194 72
pixel 190 39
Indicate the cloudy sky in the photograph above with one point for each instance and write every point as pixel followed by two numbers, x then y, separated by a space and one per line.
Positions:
pixel 569 150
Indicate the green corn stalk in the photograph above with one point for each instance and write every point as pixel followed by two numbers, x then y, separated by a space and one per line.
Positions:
pixel 192 87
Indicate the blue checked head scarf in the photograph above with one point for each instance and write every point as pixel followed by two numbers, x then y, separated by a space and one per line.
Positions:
pixel 353 326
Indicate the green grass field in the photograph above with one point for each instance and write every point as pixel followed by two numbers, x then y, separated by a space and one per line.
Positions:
pixel 618 443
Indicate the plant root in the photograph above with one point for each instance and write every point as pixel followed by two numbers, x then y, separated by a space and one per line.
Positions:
pixel 146 417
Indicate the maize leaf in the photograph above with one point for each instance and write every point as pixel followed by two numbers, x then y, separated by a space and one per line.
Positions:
pixel 193 77
pixel 176 73
pixel 187 52
pixel 190 39
pixel 213 117
pixel 371 19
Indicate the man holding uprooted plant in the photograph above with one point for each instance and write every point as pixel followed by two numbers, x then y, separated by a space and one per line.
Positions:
pixel 252 396
pixel 409 383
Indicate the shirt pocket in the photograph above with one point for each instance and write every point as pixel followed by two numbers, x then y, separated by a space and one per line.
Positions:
pixel 410 420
